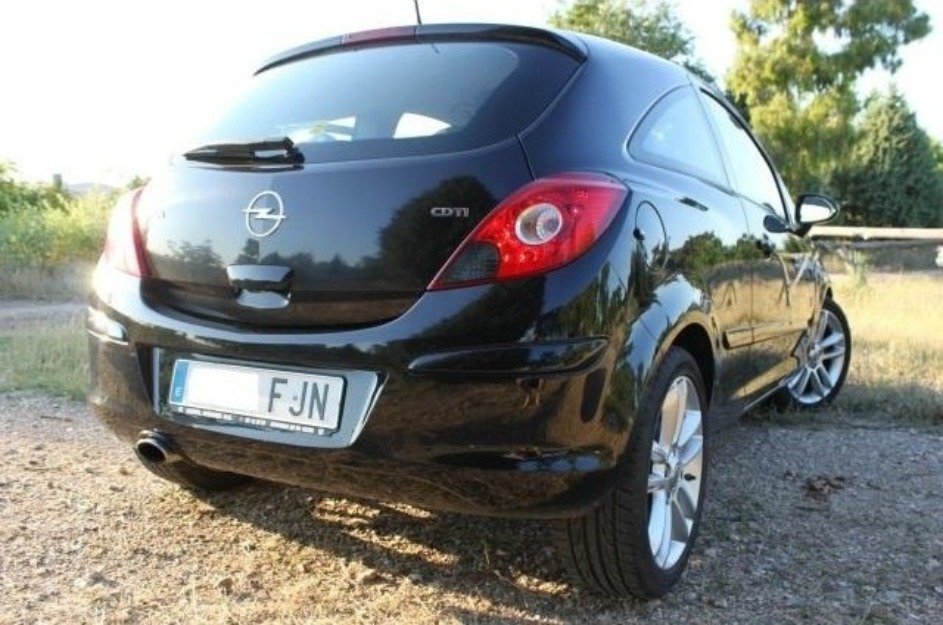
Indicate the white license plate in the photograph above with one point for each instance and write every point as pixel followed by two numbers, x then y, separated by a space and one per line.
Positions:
pixel 285 400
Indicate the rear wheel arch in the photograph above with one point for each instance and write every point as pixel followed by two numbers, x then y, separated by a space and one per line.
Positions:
pixel 689 332
pixel 695 340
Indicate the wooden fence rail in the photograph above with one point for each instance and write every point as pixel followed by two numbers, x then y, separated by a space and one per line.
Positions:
pixel 932 235
pixel 847 241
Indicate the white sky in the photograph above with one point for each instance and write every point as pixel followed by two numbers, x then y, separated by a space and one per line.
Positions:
pixel 100 90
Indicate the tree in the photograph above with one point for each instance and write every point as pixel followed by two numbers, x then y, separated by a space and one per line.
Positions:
pixel 937 146
pixel 649 25
pixel 796 67
pixel 893 178
pixel 136 182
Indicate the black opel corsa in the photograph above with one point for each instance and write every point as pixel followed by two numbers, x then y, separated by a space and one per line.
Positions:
pixel 488 269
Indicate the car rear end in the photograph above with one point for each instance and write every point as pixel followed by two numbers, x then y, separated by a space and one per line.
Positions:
pixel 353 282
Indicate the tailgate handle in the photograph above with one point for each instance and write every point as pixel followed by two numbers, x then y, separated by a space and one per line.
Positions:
pixel 260 277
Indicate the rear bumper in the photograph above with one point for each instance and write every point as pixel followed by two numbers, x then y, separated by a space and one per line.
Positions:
pixel 463 418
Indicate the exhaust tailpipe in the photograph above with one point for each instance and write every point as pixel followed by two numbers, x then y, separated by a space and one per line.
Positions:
pixel 155 448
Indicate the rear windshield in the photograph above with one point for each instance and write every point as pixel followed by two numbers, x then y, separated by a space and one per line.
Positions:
pixel 398 100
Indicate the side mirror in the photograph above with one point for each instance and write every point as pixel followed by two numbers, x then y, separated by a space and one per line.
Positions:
pixel 813 208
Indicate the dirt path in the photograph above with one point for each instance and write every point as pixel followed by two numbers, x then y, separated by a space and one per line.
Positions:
pixel 824 524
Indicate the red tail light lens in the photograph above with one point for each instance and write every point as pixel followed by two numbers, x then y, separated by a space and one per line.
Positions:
pixel 379 35
pixel 124 245
pixel 543 225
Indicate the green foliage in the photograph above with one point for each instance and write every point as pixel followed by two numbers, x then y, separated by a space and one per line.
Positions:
pixel 796 67
pixel 937 147
pixel 16 195
pixel 137 181
pixel 42 226
pixel 34 237
pixel 892 178
pixel 649 25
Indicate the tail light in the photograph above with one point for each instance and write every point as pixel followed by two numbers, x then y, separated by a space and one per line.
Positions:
pixel 543 225
pixel 379 35
pixel 124 245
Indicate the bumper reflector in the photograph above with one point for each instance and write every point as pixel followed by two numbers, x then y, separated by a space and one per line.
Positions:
pixel 100 325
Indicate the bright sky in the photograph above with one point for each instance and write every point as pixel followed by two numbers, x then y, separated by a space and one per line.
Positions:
pixel 101 90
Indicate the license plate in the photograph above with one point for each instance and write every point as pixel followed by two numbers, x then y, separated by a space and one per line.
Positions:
pixel 269 398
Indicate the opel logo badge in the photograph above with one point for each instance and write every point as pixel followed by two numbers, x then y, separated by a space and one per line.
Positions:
pixel 264 214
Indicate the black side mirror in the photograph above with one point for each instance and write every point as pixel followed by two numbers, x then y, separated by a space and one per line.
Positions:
pixel 814 208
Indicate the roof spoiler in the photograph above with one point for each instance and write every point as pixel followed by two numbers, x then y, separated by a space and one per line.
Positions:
pixel 433 33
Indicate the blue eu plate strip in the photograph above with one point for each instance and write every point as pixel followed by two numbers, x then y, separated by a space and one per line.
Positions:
pixel 179 381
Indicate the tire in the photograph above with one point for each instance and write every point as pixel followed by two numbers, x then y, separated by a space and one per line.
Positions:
pixel 638 540
pixel 827 354
pixel 194 477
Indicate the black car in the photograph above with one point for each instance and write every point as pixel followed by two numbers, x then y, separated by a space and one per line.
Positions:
pixel 489 269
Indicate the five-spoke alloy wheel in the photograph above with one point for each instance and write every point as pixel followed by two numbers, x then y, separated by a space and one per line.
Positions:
pixel 674 484
pixel 638 541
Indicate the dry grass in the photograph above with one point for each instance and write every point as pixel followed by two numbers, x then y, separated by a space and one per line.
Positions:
pixel 67 283
pixel 897 333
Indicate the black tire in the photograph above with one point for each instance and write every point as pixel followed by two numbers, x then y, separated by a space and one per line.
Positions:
pixel 194 477
pixel 828 354
pixel 610 549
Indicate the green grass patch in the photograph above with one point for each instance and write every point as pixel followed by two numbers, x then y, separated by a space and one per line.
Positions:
pixel 47 356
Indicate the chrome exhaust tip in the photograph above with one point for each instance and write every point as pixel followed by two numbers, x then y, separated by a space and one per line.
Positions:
pixel 155 448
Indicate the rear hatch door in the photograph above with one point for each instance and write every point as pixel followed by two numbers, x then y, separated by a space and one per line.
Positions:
pixel 332 191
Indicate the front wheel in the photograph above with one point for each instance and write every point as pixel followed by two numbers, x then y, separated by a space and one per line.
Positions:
pixel 827 356
pixel 637 542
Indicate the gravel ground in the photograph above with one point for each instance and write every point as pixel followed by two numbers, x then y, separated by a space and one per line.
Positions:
pixel 817 522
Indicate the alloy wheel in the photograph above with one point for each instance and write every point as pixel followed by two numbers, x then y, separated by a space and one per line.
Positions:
pixel 674 482
pixel 824 362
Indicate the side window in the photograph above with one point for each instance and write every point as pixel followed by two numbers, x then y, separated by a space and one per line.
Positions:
pixel 675 135
pixel 752 175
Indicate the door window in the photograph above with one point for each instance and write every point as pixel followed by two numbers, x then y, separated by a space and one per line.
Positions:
pixel 676 135
pixel 751 173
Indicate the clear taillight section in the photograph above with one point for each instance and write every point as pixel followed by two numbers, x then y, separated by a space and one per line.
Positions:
pixel 124 245
pixel 543 225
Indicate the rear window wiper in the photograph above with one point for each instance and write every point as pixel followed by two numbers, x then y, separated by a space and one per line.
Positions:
pixel 278 151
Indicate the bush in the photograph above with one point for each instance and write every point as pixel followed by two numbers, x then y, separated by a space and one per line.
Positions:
pixel 16 195
pixel 37 236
